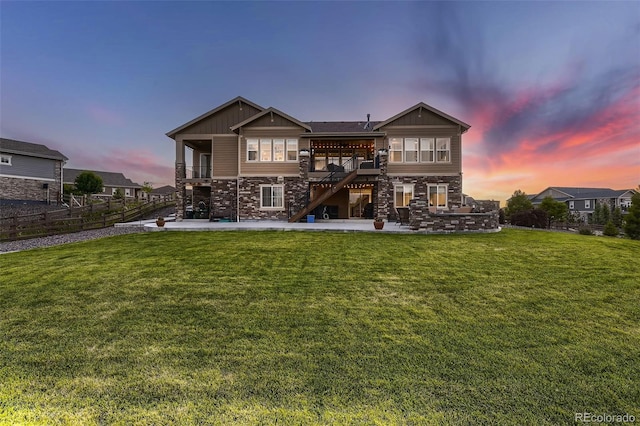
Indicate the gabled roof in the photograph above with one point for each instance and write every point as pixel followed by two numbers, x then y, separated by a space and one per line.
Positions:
pixel 108 178
pixel 164 190
pixel 422 105
pixel 213 111
pixel 11 146
pixel 579 193
pixel 271 110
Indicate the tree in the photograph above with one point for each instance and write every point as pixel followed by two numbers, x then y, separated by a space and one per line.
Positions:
pixel 610 230
pixel 556 210
pixel 88 183
pixel 596 216
pixel 616 217
pixel 519 202
pixel 606 213
pixel 632 219
pixel 118 194
pixel 147 187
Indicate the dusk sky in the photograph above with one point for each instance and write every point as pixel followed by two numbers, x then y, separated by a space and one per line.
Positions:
pixel 551 89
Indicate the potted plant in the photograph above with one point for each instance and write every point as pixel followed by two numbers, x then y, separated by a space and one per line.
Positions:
pixel 160 222
pixel 378 223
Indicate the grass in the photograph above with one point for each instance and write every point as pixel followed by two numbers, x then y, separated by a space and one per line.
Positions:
pixel 321 328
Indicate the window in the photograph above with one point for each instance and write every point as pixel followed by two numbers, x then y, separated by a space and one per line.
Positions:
pixel 427 148
pixel 292 150
pixel 587 204
pixel 438 196
pixel 265 149
pixel 395 150
pixel 571 205
pixel 443 149
pixel 268 150
pixel 5 160
pixel 127 192
pixel 424 150
pixel 278 150
pixel 252 149
pixel 403 194
pixel 113 191
pixel 411 150
pixel 271 196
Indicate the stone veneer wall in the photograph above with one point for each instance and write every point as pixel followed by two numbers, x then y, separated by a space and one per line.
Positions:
pixel 420 218
pixel 223 198
pixel 420 188
pixel 30 189
pixel 249 195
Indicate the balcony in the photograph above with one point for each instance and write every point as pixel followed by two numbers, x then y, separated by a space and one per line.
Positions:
pixel 198 172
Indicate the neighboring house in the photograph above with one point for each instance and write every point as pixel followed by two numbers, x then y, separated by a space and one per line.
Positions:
pixel 582 201
pixel 250 162
pixel 166 192
pixel 30 172
pixel 111 182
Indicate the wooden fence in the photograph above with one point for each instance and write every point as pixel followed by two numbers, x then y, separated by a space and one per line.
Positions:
pixel 74 219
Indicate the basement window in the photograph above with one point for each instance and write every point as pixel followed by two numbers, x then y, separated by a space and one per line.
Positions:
pixel 5 160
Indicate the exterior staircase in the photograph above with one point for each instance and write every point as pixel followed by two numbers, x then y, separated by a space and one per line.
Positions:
pixel 324 196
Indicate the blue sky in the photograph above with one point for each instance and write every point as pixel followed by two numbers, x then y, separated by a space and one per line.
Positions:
pixel 551 89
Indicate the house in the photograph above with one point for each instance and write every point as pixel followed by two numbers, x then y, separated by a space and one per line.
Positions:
pixel 30 172
pixel 582 201
pixel 166 192
pixel 111 182
pixel 248 162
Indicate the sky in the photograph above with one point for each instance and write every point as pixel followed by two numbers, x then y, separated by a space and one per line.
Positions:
pixel 551 89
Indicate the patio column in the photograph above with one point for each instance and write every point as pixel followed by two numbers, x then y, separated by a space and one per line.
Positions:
pixel 385 196
pixel 181 192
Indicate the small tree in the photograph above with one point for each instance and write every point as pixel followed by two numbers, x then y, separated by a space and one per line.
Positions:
pixel 596 216
pixel 147 187
pixel 519 202
pixel 632 218
pixel 88 183
pixel 616 217
pixel 118 194
pixel 610 230
pixel 606 213
pixel 534 218
pixel 556 210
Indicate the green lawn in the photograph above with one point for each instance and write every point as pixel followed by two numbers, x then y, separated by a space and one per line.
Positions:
pixel 517 327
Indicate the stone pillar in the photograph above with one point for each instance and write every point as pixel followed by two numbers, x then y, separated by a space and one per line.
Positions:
pixel 181 192
pixel 304 164
pixel 384 196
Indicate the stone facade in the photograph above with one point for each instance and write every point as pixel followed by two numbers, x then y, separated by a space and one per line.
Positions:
pixel 420 189
pixel 31 189
pixel 421 219
pixel 249 197
pixel 181 191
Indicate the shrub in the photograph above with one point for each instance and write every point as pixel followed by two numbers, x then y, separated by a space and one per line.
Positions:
pixel 585 231
pixel 535 218
pixel 610 230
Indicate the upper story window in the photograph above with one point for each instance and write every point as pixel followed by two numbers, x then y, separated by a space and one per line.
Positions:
pixel 272 150
pixel 420 150
pixel 5 160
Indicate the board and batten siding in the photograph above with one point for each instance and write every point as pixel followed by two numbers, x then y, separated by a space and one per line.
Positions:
pixel 454 167
pixel 225 156
pixel 222 121
pixel 30 167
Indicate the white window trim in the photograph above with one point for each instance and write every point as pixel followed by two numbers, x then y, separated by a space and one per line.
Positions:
pixel 289 146
pixel 5 160
pixel 262 206
pixel 434 152
pixel 404 186
pixel 446 194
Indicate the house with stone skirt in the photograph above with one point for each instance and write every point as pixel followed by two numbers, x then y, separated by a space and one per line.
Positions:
pixel 111 183
pixel 30 172
pixel 247 162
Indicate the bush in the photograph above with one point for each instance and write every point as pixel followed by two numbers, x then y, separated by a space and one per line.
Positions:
pixel 535 218
pixel 610 230
pixel 585 231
